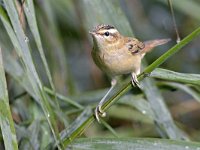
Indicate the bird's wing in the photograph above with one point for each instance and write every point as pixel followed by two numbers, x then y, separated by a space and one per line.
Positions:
pixel 137 47
pixel 134 46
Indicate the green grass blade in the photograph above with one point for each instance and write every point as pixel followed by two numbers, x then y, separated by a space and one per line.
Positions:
pixel 56 48
pixel 64 98
pixel 131 115
pixel 29 137
pixel 6 121
pixel 114 133
pixel 30 15
pixel 14 69
pixel 77 127
pixel 132 143
pixel 155 109
pixel 139 103
pixel 161 113
pixel 176 76
pixel 23 51
pixel 184 88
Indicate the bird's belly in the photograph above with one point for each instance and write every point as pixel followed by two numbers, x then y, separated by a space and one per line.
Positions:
pixel 121 65
pixel 116 63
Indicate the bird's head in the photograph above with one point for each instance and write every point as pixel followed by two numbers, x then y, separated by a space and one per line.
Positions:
pixel 105 35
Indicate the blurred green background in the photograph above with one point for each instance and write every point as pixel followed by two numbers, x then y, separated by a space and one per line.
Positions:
pixel 63 27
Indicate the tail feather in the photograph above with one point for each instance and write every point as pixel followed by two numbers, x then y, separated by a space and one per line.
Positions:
pixel 149 45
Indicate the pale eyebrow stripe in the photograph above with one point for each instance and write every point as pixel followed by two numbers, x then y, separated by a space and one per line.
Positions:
pixel 112 31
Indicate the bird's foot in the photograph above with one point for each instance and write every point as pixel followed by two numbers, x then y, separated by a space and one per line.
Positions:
pixel 136 84
pixel 99 113
pixel 135 81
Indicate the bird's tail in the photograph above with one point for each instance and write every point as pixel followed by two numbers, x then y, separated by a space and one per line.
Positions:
pixel 149 45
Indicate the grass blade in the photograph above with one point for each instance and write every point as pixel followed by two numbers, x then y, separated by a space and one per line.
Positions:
pixel 139 103
pixel 56 48
pixel 30 15
pixel 184 88
pixel 161 113
pixel 77 126
pixel 6 121
pixel 176 76
pixel 114 133
pixel 132 143
pixel 64 98
pixel 20 42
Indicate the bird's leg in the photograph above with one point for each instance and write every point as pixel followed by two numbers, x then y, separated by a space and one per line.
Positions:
pixel 98 109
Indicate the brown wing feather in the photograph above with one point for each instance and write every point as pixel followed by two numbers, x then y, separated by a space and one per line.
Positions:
pixel 134 45
pixel 137 47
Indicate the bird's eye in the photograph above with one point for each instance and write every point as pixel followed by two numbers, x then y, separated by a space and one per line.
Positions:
pixel 107 33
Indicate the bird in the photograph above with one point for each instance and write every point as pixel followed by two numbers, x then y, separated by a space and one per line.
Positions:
pixel 116 54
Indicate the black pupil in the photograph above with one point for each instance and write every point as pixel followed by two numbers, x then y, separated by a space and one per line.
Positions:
pixel 106 33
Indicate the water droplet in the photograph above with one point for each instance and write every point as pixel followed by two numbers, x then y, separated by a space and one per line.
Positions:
pixel 48 115
pixel 26 39
pixel 186 147
pixel 144 112
pixel 155 144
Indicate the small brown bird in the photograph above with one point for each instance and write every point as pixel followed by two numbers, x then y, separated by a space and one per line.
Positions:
pixel 116 54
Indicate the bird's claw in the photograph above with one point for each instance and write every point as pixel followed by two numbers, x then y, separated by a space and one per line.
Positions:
pixel 136 83
pixel 99 113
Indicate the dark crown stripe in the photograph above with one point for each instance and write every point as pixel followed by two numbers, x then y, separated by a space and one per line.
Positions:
pixel 103 26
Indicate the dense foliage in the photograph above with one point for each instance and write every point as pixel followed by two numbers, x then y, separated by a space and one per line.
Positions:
pixel 49 85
